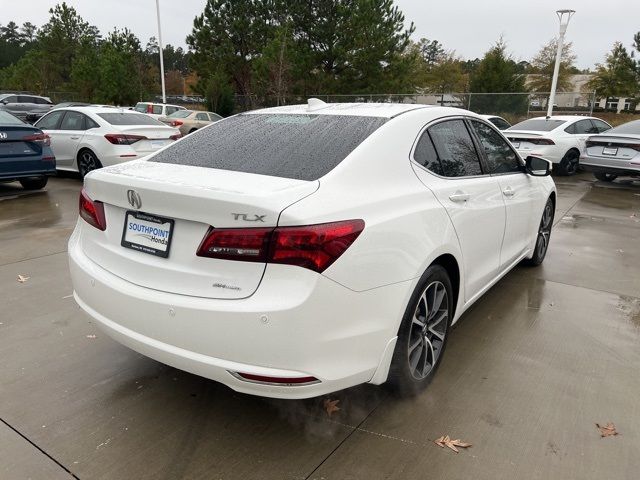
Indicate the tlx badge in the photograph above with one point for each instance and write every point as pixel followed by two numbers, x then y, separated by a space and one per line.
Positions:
pixel 245 217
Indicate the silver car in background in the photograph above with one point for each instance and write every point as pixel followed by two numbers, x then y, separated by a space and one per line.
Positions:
pixel 27 108
pixel 614 153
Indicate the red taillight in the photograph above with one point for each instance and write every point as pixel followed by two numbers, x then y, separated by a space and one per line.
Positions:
pixel 39 138
pixel 248 244
pixel 122 139
pixel 176 123
pixel 92 211
pixel 177 136
pixel 284 381
pixel 314 247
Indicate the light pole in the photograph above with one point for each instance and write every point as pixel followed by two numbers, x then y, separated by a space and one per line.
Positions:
pixel 564 16
pixel 164 95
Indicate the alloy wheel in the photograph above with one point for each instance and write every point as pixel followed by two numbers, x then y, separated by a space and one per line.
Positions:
pixel 428 330
pixel 87 163
pixel 544 231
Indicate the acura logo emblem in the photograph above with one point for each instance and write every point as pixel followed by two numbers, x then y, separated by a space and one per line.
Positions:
pixel 134 199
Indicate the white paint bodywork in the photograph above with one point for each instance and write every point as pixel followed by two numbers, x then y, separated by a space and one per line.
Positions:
pixel 339 326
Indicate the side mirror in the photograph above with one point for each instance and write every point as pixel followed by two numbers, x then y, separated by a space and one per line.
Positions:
pixel 3 102
pixel 538 167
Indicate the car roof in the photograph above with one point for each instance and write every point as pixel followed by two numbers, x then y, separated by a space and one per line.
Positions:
pixel 384 110
pixel 565 118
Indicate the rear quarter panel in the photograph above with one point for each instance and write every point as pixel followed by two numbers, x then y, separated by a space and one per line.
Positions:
pixel 406 228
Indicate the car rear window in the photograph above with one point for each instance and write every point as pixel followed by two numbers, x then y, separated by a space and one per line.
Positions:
pixel 302 147
pixel 537 125
pixel 632 127
pixel 7 119
pixel 181 114
pixel 129 119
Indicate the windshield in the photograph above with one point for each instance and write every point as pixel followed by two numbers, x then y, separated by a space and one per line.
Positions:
pixel 302 147
pixel 181 114
pixel 7 119
pixel 538 125
pixel 129 119
pixel 626 128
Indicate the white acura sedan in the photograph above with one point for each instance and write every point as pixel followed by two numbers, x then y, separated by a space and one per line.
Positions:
pixel 560 139
pixel 299 250
pixel 86 138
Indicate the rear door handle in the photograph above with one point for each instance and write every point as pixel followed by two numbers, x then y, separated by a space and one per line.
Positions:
pixel 74 138
pixel 509 192
pixel 459 196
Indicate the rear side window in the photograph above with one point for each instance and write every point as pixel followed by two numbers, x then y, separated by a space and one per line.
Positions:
pixel 425 154
pixel 456 152
pixel 600 125
pixel 500 123
pixel 129 119
pixel 171 110
pixel 42 101
pixel 214 117
pixel 25 99
pixel 157 109
pixel 141 107
pixel 73 121
pixel 302 147
pixel 202 116
pixel 584 126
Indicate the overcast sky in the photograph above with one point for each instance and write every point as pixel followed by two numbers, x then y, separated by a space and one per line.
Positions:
pixel 467 26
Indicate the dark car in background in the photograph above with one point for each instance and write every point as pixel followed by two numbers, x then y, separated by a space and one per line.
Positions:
pixel 25 153
pixel 28 108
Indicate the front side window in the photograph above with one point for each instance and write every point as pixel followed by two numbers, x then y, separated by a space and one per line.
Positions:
pixel 500 157
pixel 455 149
pixel 157 109
pixel 72 121
pixel 25 99
pixel 50 121
pixel 11 99
pixel 171 110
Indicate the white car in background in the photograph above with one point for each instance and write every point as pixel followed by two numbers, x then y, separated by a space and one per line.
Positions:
pixel 86 138
pixel 615 153
pixel 559 138
pixel 295 251
pixel 157 110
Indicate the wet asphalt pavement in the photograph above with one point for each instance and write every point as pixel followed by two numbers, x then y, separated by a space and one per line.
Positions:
pixel 528 371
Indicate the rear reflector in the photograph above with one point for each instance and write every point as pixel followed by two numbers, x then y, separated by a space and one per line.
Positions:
pixel 39 138
pixel 284 381
pixel 314 247
pixel 122 139
pixel 92 211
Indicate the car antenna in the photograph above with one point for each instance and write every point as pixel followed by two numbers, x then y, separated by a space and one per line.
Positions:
pixel 314 104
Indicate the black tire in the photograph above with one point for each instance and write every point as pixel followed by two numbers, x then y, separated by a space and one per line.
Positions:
pixel 193 130
pixel 544 235
pixel 403 378
pixel 605 177
pixel 569 164
pixel 34 183
pixel 87 161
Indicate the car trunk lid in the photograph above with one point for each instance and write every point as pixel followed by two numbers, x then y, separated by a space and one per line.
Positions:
pixel 193 199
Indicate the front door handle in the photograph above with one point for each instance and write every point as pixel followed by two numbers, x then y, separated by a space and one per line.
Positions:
pixel 459 196
pixel 508 192
pixel 74 138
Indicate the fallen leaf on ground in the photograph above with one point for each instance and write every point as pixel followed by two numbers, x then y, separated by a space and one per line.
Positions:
pixel 23 278
pixel 445 441
pixel 331 406
pixel 608 430
pixel 91 336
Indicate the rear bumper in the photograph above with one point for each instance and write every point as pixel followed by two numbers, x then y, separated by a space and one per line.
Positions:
pixel 613 166
pixel 297 324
